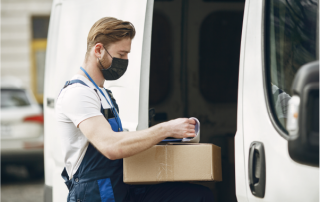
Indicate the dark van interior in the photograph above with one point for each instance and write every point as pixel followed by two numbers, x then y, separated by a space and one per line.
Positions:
pixel 195 52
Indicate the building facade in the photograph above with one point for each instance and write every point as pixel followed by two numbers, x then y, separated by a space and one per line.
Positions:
pixel 24 28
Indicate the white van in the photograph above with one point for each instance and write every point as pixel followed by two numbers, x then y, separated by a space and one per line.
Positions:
pixel 184 62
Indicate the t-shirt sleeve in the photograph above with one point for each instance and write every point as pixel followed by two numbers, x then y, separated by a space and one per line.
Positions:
pixel 80 103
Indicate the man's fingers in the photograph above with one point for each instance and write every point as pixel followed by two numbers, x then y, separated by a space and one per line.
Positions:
pixel 191 126
pixel 192 121
pixel 190 134
pixel 191 131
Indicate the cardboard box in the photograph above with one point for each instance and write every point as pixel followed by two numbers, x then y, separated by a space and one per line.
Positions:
pixel 183 162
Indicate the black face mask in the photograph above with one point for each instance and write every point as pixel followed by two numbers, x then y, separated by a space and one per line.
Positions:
pixel 116 70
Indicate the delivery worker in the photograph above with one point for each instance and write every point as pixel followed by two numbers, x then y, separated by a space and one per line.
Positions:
pixel 93 140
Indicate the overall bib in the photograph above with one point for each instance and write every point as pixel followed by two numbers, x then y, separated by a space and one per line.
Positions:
pixel 98 178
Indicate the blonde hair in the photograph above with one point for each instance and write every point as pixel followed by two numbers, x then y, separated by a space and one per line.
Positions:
pixel 108 30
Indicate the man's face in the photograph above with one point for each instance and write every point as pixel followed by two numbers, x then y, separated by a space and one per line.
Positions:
pixel 119 49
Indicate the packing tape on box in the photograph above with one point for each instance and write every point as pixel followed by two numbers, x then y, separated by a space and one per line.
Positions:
pixel 164 155
pixel 195 139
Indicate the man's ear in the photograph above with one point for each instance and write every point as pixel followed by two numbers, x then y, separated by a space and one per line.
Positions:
pixel 97 50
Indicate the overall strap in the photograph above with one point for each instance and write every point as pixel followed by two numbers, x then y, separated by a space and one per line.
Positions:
pixel 113 101
pixel 68 83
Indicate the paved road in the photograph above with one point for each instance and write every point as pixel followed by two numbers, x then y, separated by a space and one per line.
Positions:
pixel 17 186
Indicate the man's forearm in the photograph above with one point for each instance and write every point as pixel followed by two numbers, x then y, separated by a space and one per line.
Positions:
pixel 131 143
pixel 117 145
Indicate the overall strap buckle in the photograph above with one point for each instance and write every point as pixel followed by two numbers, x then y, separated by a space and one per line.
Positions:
pixel 66 84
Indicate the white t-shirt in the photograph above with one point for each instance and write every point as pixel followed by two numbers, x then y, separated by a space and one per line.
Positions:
pixel 75 104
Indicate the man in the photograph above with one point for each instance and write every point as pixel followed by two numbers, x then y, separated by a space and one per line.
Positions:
pixel 93 140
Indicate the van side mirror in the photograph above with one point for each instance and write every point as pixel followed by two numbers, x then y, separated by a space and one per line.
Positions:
pixel 303 116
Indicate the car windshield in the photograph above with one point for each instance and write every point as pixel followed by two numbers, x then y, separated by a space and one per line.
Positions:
pixel 14 98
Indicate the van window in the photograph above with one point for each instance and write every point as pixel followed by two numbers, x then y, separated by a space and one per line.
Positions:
pixel 291 41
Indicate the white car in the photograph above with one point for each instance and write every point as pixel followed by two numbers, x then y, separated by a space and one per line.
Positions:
pixel 21 129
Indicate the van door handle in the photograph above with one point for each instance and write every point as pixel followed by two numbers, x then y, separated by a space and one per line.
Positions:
pixel 257 169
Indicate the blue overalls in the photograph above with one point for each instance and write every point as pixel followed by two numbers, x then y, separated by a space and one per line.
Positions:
pixel 98 178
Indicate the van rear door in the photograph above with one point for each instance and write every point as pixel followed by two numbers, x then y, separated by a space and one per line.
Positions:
pixel 69 26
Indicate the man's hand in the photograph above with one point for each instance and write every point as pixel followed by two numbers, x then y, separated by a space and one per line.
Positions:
pixel 181 128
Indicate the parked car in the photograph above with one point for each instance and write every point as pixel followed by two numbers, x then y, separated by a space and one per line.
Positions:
pixel 21 128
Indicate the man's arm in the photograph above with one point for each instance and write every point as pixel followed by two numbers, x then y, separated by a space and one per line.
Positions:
pixel 117 145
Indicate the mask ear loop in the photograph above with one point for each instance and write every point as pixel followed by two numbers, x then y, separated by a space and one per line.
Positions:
pixel 100 61
pixel 107 52
pixel 101 64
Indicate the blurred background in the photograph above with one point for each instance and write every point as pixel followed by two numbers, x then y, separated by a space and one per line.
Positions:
pixel 189 37
pixel 24 29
